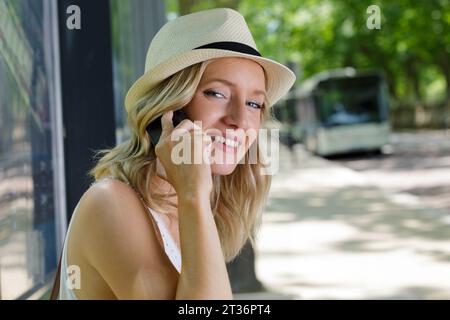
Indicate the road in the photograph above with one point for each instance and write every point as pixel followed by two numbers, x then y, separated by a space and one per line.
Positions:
pixel 419 165
pixel 359 227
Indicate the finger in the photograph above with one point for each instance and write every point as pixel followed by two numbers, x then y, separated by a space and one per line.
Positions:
pixel 184 128
pixel 160 171
pixel 188 125
pixel 166 124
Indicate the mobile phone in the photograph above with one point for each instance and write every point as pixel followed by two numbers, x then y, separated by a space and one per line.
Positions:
pixel 154 129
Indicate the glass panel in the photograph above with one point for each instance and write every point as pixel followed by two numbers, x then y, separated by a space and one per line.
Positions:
pixel 27 213
pixel 350 101
pixel 124 71
pixel 133 25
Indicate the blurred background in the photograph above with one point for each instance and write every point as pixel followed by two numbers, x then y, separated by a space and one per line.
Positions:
pixel 360 208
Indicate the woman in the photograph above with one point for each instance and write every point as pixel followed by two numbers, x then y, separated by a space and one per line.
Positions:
pixel 147 211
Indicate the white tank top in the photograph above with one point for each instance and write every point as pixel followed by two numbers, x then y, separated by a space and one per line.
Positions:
pixel 170 248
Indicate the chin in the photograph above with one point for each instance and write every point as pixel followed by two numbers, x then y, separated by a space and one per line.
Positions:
pixel 223 169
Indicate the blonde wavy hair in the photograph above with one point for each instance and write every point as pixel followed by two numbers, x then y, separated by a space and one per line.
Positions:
pixel 237 199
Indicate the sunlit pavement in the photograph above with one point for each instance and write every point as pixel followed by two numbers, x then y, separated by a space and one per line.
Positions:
pixel 419 165
pixel 329 232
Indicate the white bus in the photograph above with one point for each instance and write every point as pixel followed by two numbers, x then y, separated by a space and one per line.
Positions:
pixel 341 111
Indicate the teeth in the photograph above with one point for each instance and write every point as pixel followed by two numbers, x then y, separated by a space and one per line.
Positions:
pixel 228 142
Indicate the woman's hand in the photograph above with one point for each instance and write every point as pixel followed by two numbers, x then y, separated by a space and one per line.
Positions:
pixel 189 178
pixel 204 273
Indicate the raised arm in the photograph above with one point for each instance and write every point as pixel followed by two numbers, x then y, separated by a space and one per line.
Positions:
pixel 203 274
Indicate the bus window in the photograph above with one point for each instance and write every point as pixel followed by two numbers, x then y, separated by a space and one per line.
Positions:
pixel 349 101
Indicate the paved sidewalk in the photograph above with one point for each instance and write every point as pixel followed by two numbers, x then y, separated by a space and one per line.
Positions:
pixel 329 233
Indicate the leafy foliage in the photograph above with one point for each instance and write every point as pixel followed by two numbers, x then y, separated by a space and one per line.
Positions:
pixel 412 47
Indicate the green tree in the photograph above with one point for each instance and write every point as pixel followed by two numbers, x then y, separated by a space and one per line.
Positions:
pixel 324 34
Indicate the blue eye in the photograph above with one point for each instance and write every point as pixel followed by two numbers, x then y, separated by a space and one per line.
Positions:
pixel 217 94
pixel 214 94
pixel 255 105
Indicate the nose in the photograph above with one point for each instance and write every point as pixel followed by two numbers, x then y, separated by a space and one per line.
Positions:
pixel 237 115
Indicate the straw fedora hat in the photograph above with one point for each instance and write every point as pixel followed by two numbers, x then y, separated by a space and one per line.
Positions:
pixel 200 36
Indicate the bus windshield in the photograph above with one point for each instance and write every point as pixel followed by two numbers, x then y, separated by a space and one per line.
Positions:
pixel 350 101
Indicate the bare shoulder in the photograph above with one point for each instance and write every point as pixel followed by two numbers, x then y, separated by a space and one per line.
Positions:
pixel 111 191
pixel 104 201
pixel 114 208
pixel 119 240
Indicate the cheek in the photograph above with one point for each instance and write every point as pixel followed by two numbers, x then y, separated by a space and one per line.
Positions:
pixel 200 109
pixel 254 126
pixel 255 123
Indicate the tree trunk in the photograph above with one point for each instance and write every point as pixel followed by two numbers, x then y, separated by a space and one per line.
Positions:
pixel 391 82
pixel 443 62
pixel 242 272
pixel 413 75
pixel 447 88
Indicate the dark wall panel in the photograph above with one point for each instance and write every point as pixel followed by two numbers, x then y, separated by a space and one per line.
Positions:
pixel 87 93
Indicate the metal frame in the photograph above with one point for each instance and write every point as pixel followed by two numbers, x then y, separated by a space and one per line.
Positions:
pixel 59 181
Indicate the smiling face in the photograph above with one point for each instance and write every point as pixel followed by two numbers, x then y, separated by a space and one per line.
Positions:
pixel 228 102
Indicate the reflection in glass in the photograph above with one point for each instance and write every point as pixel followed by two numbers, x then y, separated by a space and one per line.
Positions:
pixel 133 25
pixel 27 214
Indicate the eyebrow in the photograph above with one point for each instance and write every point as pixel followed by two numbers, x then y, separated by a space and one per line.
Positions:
pixel 231 84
